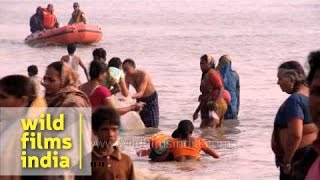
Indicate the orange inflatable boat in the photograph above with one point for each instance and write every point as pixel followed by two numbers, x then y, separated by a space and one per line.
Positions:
pixel 77 33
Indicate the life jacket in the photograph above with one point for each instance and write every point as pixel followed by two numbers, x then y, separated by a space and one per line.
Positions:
pixel 49 19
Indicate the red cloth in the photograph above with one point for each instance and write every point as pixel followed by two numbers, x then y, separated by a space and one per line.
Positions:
pixel 99 95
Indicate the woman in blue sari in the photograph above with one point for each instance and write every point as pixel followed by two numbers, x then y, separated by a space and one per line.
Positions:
pixel 231 83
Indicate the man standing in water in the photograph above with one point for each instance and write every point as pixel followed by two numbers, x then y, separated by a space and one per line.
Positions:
pixel 73 60
pixel 146 92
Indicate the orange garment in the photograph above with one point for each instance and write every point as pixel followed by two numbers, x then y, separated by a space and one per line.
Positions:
pixel 49 19
pixel 179 148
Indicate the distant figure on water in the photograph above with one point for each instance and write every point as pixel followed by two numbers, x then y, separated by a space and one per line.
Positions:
pixel 146 92
pixel 214 99
pixel 231 84
pixel 294 130
pixel 49 18
pixel 36 21
pixel 77 15
pixel 73 60
pixel 33 75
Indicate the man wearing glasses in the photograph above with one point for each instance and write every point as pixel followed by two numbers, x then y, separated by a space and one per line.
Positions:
pixel 77 15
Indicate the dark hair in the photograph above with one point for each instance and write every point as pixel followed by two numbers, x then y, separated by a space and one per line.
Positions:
pixel 185 128
pixel 96 68
pixel 115 62
pixel 76 4
pixel 314 63
pixel 99 53
pixel 71 48
pixel 18 86
pixel 104 116
pixel 129 62
pixel 33 70
pixel 297 73
pixel 57 66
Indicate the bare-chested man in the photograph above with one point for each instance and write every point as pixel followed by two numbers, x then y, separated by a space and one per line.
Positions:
pixel 146 92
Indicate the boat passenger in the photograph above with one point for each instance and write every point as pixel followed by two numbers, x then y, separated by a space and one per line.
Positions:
pixel 77 15
pixel 49 18
pixel 36 21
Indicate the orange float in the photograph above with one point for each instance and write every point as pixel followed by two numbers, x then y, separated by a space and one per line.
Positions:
pixel 77 33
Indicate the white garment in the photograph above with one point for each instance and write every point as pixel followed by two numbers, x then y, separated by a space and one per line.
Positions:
pixel 36 81
pixel 73 62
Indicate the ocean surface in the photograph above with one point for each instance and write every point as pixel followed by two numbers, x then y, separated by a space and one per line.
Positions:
pixel 166 38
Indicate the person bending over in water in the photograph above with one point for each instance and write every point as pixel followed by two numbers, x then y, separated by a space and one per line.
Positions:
pixel 184 146
pixel 146 92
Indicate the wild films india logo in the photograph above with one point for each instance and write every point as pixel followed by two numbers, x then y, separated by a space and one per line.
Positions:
pixel 51 141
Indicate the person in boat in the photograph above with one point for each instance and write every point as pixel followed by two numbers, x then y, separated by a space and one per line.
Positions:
pixel 146 92
pixel 36 21
pixel 214 99
pixel 186 147
pixel 73 60
pixel 115 77
pixel 77 15
pixel 49 18
pixel 294 130
pixel 231 83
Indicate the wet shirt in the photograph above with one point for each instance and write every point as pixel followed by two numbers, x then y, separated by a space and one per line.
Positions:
pixel 296 106
pixel 179 147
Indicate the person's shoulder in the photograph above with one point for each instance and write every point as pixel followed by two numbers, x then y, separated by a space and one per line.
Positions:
pixel 64 58
pixel 126 158
pixel 298 97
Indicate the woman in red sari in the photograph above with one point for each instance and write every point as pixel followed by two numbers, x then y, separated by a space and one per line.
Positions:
pixel 214 98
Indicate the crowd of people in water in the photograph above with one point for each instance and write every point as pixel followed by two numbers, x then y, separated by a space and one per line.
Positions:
pixel 45 18
pixel 295 138
pixel 219 95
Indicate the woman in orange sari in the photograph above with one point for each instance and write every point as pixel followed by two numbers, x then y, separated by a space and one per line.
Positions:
pixel 214 98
